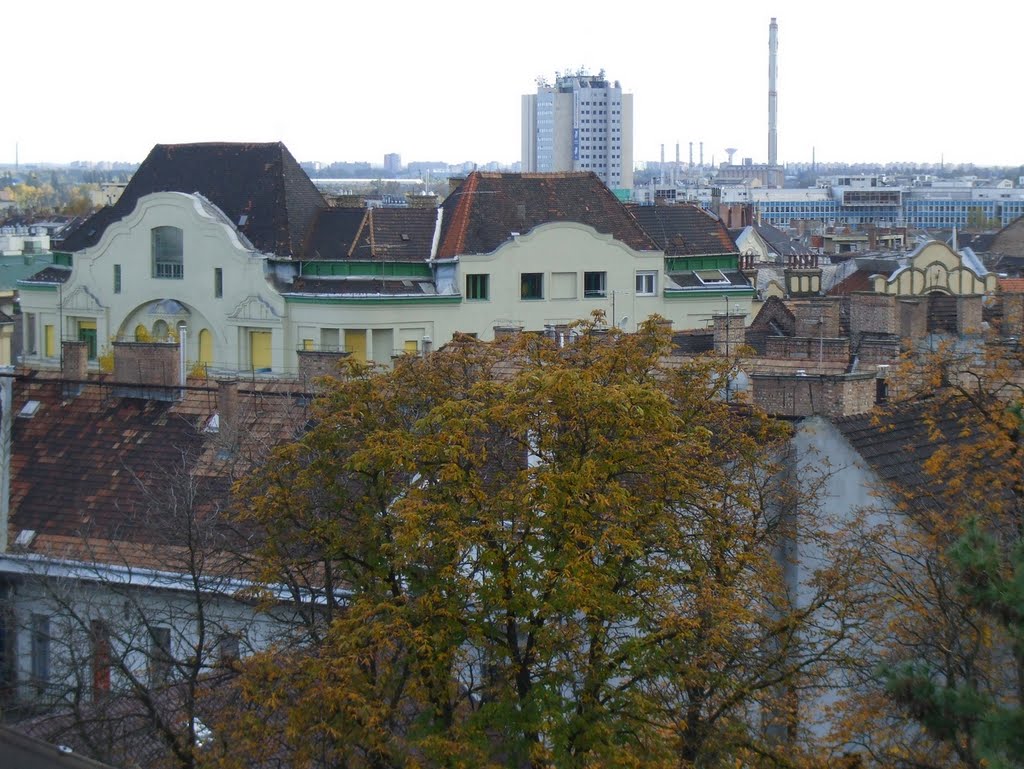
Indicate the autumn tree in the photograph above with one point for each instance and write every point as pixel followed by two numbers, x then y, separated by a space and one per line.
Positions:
pixel 954 513
pixel 523 554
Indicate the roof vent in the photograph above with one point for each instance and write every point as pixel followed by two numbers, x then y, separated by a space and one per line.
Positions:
pixel 29 409
pixel 243 219
pixel 25 538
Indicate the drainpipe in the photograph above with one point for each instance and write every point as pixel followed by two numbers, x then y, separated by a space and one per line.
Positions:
pixel 6 381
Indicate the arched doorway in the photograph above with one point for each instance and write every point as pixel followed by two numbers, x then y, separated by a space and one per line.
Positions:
pixel 942 313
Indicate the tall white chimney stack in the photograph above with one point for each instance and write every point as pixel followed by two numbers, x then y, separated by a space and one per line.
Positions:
pixel 773 94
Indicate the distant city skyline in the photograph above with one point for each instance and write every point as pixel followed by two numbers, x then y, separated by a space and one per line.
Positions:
pixel 884 82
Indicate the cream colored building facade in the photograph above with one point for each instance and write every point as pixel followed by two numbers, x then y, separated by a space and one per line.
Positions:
pixel 239 314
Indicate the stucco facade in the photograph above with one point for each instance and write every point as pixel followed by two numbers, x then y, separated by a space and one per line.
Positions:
pixel 240 314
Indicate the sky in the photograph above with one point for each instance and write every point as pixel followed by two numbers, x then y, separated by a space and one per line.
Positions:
pixel 865 81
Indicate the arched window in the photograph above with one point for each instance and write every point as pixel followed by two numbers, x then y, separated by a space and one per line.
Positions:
pixel 160 331
pixel 168 252
pixel 142 333
pixel 205 347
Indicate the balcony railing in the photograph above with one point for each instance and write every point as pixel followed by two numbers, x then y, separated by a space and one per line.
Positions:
pixel 168 270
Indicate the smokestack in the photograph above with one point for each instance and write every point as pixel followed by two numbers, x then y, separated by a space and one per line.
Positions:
pixel 773 94
pixel 662 163
pixel 677 153
pixel 702 155
pixel 691 154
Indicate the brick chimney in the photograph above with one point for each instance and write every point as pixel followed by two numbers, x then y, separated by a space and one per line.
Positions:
pixel 422 200
pixel 146 370
pixel 454 182
pixel 968 314
pixel 1013 315
pixel 318 363
pixel 729 333
pixel 817 318
pixel 872 313
pixel 74 366
pixel 227 413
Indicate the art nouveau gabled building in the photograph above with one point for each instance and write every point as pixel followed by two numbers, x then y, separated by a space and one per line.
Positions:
pixel 234 245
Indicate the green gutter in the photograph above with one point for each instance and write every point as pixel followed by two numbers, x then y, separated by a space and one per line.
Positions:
pixel 704 293
pixel 375 300
pixel 703 262
pixel 29 286
pixel 365 269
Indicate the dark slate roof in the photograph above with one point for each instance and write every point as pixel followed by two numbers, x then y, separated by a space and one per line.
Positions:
pixel 488 207
pixel 897 441
pixel 25 752
pixel 51 274
pixel 360 286
pixel 780 242
pixel 684 230
pixel 689 280
pixel 693 341
pixel 261 182
pixel 377 234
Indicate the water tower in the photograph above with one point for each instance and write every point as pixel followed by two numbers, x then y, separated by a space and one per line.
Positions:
pixel 730 151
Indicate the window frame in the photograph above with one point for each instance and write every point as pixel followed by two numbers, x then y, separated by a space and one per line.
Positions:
pixel 168 256
pixel 642 278
pixel 218 283
pixel 117 279
pixel 478 286
pixel 595 293
pixel 40 651
pixel 531 286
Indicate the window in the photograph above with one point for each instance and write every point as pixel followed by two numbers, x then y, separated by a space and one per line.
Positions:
pixel 159 654
pixel 711 277
pixel 646 283
pixel 595 284
pixel 117 279
pixel 168 252
pixel 100 639
pixel 40 651
pixel 532 285
pixel 412 346
pixel 30 332
pixel 50 339
pixel 478 287
pixel 218 282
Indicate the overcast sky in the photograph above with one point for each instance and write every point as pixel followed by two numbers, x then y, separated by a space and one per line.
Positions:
pixel 355 79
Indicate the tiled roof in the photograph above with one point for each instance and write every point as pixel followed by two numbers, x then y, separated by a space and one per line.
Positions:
pixel 259 187
pixel 1011 285
pixel 684 230
pixel 859 280
pixel 88 469
pixel 897 441
pixel 377 234
pixel 488 207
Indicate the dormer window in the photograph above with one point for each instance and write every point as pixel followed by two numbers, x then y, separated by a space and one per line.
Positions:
pixel 168 252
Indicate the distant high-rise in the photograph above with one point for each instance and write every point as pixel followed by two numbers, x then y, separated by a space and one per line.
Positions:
pixel 392 162
pixel 581 123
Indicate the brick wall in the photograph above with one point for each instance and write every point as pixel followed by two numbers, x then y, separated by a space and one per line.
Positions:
pixel 1013 315
pixel 877 349
pixel 315 363
pixel 807 348
pixel 871 312
pixel 801 396
pixel 146 369
pixel 728 333
pixel 968 314
pixel 913 318
pixel 75 359
pixel 817 317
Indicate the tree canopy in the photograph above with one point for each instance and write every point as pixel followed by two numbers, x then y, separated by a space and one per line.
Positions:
pixel 521 554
